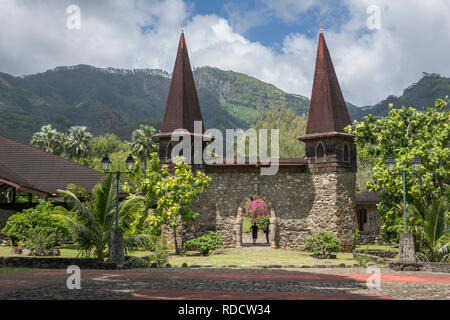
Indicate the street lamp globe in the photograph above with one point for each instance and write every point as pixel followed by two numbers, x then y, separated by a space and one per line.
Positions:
pixel 390 164
pixel 130 163
pixel 106 163
pixel 416 163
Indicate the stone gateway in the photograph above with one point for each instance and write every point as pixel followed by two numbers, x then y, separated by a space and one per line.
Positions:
pixel 308 194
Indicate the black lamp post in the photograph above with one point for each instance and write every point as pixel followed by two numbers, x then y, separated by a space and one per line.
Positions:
pixel 415 164
pixel 116 250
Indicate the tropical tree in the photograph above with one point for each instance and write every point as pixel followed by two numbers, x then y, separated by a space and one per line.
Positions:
pixel 168 195
pixel 142 143
pixel 429 226
pixel 95 218
pixel 405 133
pixel 61 144
pixel 46 139
pixel 291 126
pixel 78 142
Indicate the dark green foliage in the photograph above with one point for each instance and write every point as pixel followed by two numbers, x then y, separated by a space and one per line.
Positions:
pixel 206 243
pixel 322 243
pixel 20 226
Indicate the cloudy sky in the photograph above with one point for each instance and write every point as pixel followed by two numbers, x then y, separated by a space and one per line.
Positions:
pixel 274 41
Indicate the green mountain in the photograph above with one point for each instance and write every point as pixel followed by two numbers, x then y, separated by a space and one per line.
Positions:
pixel 419 95
pixel 117 100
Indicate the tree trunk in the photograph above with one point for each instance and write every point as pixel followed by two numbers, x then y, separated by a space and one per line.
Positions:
pixel 175 242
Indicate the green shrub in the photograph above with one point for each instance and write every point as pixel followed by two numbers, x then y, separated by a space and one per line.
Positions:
pixel 160 252
pixel 40 239
pixel 322 243
pixel 19 226
pixel 363 259
pixel 206 243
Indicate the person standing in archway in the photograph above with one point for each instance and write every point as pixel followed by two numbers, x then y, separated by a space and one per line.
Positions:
pixel 266 231
pixel 254 229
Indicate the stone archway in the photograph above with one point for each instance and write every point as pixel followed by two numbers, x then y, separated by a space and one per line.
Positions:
pixel 273 225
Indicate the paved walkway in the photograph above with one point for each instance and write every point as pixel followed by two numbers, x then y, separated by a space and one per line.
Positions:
pixel 224 284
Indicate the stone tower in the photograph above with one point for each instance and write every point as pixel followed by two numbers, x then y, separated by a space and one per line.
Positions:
pixel 182 108
pixel 330 153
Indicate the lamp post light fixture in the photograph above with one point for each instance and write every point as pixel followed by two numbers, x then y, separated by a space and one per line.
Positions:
pixel 406 248
pixel 116 252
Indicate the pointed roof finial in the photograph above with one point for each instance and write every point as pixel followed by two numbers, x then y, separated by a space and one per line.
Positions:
pixel 328 111
pixel 321 27
pixel 182 30
pixel 182 107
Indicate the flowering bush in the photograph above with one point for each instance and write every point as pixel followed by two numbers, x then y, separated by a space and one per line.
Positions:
pixel 256 208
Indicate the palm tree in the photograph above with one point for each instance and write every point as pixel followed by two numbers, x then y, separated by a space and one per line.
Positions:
pixel 46 139
pixel 61 144
pixel 95 219
pixel 142 143
pixel 429 226
pixel 78 142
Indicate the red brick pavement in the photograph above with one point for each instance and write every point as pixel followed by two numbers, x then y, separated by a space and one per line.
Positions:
pixel 38 278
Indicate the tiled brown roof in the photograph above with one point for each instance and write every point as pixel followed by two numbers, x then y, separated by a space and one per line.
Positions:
pixel 328 111
pixel 367 197
pixel 35 169
pixel 182 107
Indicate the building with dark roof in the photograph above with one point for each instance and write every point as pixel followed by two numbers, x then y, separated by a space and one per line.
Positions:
pixel 27 169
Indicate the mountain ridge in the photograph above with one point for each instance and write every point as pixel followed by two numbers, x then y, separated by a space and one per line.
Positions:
pixel 118 100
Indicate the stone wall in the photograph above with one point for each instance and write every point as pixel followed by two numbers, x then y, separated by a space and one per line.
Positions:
pixel 303 204
pixel 54 263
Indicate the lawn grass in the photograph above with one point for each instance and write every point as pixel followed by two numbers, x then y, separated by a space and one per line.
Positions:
pixel 6 270
pixel 67 251
pixel 252 257
pixel 247 257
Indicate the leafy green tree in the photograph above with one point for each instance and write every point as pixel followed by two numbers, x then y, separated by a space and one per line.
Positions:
pixel 168 194
pixel 291 126
pixel 405 133
pixel 95 218
pixel 20 226
pixel 142 143
pixel 46 139
pixel 107 144
pixel 78 142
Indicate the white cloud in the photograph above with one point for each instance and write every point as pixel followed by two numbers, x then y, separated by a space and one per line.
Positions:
pixel 413 38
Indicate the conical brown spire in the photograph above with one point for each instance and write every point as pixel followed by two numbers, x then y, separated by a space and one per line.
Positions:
pixel 182 107
pixel 327 111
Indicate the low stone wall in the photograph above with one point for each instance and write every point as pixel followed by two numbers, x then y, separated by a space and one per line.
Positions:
pixel 54 263
pixel 382 254
pixel 365 239
pixel 420 266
